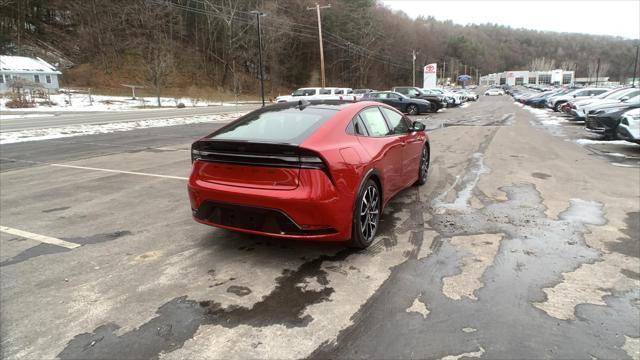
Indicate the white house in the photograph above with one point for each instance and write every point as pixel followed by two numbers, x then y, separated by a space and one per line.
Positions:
pixel 35 72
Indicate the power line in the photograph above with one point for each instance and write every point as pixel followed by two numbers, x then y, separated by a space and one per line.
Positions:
pixel 377 56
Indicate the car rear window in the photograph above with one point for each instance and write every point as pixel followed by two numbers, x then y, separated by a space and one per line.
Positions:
pixel 288 126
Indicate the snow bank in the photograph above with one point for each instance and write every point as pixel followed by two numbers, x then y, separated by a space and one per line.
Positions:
pixel 82 102
pixel 79 130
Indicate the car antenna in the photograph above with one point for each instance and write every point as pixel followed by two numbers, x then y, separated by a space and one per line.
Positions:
pixel 302 103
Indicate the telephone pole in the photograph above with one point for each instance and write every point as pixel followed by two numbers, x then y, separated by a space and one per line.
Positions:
pixel 258 14
pixel 444 73
pixel 635 66
pixel 597 72
pixel 414 67
pixel 317 9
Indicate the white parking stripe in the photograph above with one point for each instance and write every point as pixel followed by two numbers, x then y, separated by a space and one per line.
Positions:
pixel 40 238
pixel 120 171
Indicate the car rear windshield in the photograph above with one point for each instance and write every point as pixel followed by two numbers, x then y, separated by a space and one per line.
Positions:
pixel 288 126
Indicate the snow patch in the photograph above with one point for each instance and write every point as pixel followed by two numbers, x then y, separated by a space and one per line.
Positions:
pixel 475 354
pixel 597 142
pixel 79 130
pixel 23 116
pixel 461 203
pixel 418 307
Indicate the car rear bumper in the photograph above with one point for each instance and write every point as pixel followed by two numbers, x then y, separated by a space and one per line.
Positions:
pixel 313 212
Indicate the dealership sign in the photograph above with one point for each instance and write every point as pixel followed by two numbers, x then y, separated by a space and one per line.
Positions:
pixel 430 75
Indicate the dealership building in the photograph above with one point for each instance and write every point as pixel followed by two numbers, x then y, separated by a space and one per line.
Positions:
pixel 512 78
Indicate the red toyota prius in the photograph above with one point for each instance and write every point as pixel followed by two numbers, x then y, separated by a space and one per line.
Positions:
pixel 319 170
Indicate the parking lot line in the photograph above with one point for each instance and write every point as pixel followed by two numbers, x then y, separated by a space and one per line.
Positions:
pixel 120 171
pixel 99 169
pixel 38 237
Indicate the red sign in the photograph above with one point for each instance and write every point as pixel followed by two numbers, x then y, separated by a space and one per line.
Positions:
pixel 429 69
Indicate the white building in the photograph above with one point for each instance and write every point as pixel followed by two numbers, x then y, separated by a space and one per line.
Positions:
pixel 522 77
pixel 34 72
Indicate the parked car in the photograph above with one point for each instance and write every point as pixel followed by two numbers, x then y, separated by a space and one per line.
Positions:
pixel 555 102
pixel 629 127
pixel 605 119
pixel 359 92
pixel 469 95
pixel 399 101
pixel 453 99
pixel 437 101
pixel 579 108
pixel 318 93
pixel 319 170
pixel 540 99
pixel 494 92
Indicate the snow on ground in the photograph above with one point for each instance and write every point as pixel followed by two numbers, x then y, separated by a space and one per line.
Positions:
pixel 545 116
pixel 82 102
pixel 612 142
pixel 22 116
pixel 78 130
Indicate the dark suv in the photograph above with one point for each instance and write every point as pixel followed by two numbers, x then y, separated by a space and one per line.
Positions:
pixel 437 101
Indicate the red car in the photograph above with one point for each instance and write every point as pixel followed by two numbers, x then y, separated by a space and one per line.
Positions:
pixel 320 170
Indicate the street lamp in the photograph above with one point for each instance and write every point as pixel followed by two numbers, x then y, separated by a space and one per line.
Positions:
pixel 258 14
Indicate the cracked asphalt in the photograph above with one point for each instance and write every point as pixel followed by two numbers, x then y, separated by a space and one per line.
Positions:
pixel 524 244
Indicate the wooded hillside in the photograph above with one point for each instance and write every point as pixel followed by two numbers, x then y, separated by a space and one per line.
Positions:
pixel 213 43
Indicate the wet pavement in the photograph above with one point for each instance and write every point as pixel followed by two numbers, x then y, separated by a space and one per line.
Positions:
pixel 523 244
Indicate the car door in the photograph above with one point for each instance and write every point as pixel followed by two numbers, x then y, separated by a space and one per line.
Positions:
pixel 411 141
pixel 393 100
pixel 385 149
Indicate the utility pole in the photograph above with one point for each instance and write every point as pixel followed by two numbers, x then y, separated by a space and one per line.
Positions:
pixel 597 72
pixel 635 66
pixel 258 14
pixel 414 67
pixel 465 69
pixel 317 9
pixel 477 77
pixel 349 62
pixel 444 72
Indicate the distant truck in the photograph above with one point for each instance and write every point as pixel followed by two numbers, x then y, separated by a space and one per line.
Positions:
pixel 319 93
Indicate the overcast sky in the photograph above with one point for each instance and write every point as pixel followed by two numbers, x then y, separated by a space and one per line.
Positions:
pixel 618 18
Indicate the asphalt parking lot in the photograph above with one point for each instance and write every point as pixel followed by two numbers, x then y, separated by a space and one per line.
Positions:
pixel 524 243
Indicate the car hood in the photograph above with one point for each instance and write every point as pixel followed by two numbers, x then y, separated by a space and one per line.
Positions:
pixel 593 103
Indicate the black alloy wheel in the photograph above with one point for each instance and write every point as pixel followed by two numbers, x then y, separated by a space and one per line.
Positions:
pixel 366 217
pixel 423 171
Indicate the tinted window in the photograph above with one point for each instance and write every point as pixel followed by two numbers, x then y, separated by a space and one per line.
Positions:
pixel 349 91
pixel 398 125
pixel 402 91
pixel 325 91
pixel 289 125
pixel 414 92
pixel 359 127
pixel 304 92
pixel 374 121
pixel 339 91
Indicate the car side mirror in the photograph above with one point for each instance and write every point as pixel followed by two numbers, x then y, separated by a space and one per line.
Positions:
pixel 574 95
pixel 400 99
pixel 624 98
pixel 417 126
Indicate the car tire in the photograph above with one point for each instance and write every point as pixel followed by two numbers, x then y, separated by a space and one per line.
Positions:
pixel 423 169
pixel 366 215
pixel 412 109
pixel 557 106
